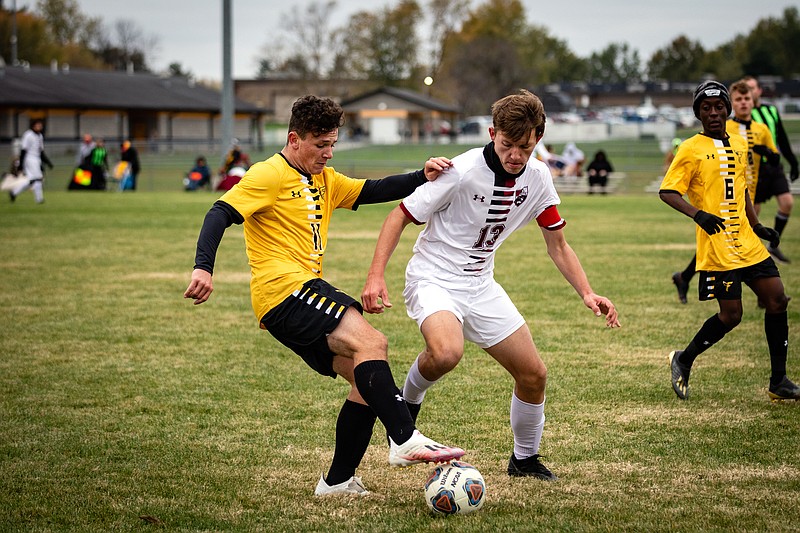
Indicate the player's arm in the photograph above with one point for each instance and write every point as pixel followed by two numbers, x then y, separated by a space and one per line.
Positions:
pixel 217 220
pixel 786 149
pixel 711 224
pixel 46 161
pixel 21 164
pixel 375 295
pixel 399 186
pixel 567 262
pixel 768 234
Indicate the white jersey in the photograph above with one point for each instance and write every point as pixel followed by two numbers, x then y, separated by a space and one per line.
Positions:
pixel 472 208
pixel 33 144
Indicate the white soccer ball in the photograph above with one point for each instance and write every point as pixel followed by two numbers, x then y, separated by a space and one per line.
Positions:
pixel 453 488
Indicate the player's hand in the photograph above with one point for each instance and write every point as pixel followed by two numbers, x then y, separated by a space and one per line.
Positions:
pixel 375 296
pixel 435 166
pixel 768 234
pixel 773 158
pixel 600 305
pixel 711 224
pixel 200 288
pixel 794 172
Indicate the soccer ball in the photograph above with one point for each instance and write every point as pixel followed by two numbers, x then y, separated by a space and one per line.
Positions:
pixel 453 488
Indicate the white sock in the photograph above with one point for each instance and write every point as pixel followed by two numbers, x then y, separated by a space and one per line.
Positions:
pixel 527 423
pixel 416 385
pixel 38 191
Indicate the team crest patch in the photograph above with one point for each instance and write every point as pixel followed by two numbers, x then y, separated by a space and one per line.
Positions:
pixel 520 196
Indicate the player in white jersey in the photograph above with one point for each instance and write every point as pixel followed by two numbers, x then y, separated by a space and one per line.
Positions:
pixel 450 287
pixel 31 158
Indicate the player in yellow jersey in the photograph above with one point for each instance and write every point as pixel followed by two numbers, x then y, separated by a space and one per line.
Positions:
pixel 709 169
pixel 773 180
pixel 761 153
pixel 286 204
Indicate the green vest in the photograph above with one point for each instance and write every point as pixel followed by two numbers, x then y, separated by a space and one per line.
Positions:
pixel 98 156
pixel 767 114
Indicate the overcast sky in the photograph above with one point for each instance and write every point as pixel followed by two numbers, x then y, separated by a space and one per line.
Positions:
pixel 190 31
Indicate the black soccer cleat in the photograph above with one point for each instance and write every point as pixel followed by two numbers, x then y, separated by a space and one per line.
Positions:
pixel 679 375
pixel 775 252
pixel 530 467
pixel 682 286
pixel 785 390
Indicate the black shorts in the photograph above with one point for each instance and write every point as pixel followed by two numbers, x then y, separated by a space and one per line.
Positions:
pixel 727 284
pixel 772 181
pixel 303 321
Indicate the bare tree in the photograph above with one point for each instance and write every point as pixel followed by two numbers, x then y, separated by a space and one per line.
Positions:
pixel 446 18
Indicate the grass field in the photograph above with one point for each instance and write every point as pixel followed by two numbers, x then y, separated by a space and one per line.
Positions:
pixel 125 408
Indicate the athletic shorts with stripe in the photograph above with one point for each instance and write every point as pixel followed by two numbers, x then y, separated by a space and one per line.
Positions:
pixel 727 284
pixel 303 321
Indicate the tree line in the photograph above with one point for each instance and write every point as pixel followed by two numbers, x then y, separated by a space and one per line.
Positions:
pixel 474 54
pixel 58 30
pixel 478 54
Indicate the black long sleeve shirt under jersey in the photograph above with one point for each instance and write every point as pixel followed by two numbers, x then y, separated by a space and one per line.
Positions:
pixel 222 215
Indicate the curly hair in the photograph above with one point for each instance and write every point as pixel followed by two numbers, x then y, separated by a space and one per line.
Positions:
pixel 516 115
pixel 314 115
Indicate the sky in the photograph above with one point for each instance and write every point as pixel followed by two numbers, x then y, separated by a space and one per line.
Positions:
pixel 190 31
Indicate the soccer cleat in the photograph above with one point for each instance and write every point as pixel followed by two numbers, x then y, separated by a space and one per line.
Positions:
pixel 682 286
pixel 12 196
pixel 529 467
pixel 421 449
pixel 351 486
pixel 785 390
pixel 680 375
pixel 777 254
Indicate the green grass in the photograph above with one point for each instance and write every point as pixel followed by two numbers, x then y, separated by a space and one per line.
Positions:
pixel 120 400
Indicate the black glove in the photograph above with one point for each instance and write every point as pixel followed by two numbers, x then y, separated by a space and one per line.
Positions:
pixel 773 158
pixel 793 173
pixel 46 161
pixel 768 234
pixel 711 224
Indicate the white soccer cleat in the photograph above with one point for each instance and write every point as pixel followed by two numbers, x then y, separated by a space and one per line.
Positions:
pixel 351 486
pixel 421 449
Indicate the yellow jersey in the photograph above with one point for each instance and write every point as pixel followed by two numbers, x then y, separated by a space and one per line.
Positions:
pixel 286 216
pixel 711 173
pixel 754 133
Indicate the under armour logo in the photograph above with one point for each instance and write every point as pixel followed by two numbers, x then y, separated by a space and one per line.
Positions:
pixel 296 194
pixel 398 398
pixel 479 198
pixel 710 156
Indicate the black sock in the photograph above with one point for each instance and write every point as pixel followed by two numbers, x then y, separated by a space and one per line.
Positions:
pixel 689 271
pixel 353 432
pixel 375 383
pixel 777 329
pixel 709 334
pixel 780 222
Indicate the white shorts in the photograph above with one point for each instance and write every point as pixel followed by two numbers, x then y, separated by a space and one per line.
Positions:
pixel 485 311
